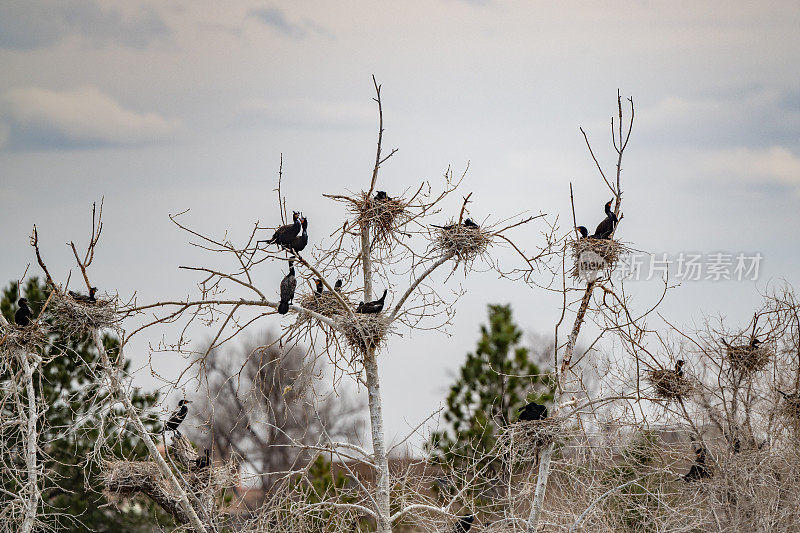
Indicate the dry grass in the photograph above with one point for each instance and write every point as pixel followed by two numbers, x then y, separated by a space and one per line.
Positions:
pixel 668 385
pixel 594 255
pixel 465 243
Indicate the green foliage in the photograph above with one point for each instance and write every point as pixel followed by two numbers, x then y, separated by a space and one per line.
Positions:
pixel 72 396
pixel 495 381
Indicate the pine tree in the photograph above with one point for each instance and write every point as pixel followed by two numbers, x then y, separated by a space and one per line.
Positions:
pixel 495 381
pixel 67 388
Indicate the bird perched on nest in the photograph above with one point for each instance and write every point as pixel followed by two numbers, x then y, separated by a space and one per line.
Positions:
pixel 288 285
pixel 752 345
pixel 699 470
pixel 532 411
pixel 299 243
pixel 679 367
pixel 78 297
pixel 284 236
pixel 467 223
pixel 203 461
pixel 374 307
pixel 338 286
pixel 320 285
pixel 381 196
pixel 464 524
pixel 24 314
pixel 608 225
pixel 178 416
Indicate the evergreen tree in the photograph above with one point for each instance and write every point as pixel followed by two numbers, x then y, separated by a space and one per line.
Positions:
pixel 69 391
pixel 495 381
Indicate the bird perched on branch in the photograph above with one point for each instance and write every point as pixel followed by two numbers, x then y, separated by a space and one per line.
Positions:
pixel 699 470
pixel 338 286
pixel 284 236
pixel 382 196
pixel 464 524
pixel 467 223
pixel 78 297
pixel 679 367
pixel 203 461
pixel 24 314
pixel 288 285
pixel 299 243
pixel 178 416
pixel 532 411
pixel 608 225
pixel 373 307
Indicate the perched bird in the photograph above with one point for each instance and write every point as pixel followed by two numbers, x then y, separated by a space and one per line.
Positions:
pixel 467 223
pixel 320 285
pixel 679 367
pixel 382 196
pixel 699 470
pixel 373 307
pixel 288 285
pixel 24 314
pixel 178 416
pixel 532 411
pixel 78 297
pixel 299 243
pixel 464 524
pixel 608 225
pixel 203 461
pixel 338 286
pixel 284 236
pixel 584 232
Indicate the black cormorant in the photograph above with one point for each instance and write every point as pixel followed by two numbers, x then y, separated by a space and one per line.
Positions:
pixel 288 285
pixel 464 524
pixel 373 307
pixel 299 243
pixel 679 367
pixel 178 416
pixel 608 225
pixel 203 461
pixel 699 470
pixel 24 314
pixel 338 286
pixel 793 397
pixel 467 223
pixel 532 411
pixel 382 196
pixel 583 231
pixel 78 297
pixel 285 235
pixel 320 285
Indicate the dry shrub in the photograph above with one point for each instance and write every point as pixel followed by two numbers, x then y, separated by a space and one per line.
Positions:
pixel 747 359
pixel 384 217
pixel 325 303
pixel 364 333
pixel 594 255
pixel 81 317
pixel 465 243
pixel 668 385
pixel 521 440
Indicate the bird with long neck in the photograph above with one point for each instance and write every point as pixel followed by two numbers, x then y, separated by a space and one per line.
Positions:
pixel 373 307
pixel 78 297
pixel 177 417
pixel 606 228
pixel 285 235
pixel 299 243
pixel 288 286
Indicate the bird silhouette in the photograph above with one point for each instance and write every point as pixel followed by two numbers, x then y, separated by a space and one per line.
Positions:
pixel 532 411
pixel 373 307
pixel 382 196
pixel 24 314
pixel 78 297
pixel 299 243
pixel 584 232
pixel 178 416
pixel 320 285
pixel 606 228
pixel 464 524
pixel 338 286
pixel 203 461
pixel 288 285
pixel 679 367
pixel 469 223
pixel 698 470
pixel 284 236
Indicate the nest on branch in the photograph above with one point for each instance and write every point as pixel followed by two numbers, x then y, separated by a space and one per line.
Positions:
pixel 32 337
pixel 521 440
pixel 126 479
pixel 465 243
pixel 364 333
pixel 669 385
pixel 593 256
pixel 81 317
pixel 747 359
pixel 383 216
pixel 325 303
pixel 183 451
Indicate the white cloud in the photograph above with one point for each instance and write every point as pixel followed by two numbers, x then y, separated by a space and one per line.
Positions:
pixel 774 165
pixel 84 117
pixel 306 112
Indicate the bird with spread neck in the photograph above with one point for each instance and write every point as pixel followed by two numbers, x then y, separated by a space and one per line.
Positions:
pixel 320 285
pixel 288 285
pixel 24 314
pixel 373 307
pixel 698 470
pixel 299 243
pixel 177 417
pixel 284 236
pixel 606 228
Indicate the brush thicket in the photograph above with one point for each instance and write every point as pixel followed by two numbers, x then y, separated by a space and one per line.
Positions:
pixel 669 385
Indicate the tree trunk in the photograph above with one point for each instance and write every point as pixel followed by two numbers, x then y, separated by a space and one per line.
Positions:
pixel 31 447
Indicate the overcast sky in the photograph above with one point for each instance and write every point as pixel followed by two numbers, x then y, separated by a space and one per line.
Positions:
pixel 161 107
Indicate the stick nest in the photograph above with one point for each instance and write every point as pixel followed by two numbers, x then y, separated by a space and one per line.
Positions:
pixel 747 359
pixel 128 478
pixel 81 317
pixel 465 243
pixel 384 217
pixel 32 337
pixel 522 439
pixel 365 333
pixel 668 385
pixel 324 303
pixel 182 451
pixel 594 255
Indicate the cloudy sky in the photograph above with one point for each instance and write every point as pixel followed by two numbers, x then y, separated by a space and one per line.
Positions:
pixel 162 107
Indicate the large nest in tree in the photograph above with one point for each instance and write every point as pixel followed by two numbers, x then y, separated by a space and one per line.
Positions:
pixel 125 479
pixel 593 256
pixel 522 440
pixel 465 243
pixel 81 317
pixel 383 216
pixel 747 359
pixel 669 385
pixel 32 337
pixel 183 451
pixel 364 333
pixel 325 303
